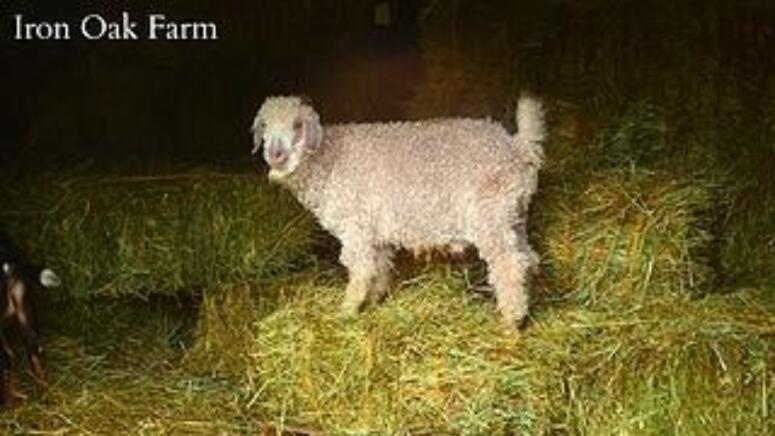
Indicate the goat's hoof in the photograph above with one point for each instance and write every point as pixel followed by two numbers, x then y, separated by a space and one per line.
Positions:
pixel 523 323
pixel 516 326
pixel 349 310
pixel 11 396
pixel 36 369
pixel 15 395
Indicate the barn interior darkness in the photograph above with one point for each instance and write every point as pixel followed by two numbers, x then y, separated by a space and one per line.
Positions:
pixel 135 101
pixel 182 100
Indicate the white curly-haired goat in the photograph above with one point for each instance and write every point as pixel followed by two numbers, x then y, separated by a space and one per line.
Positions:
pixel 434 183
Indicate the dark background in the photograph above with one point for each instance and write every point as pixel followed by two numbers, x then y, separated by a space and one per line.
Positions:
pixel 127 104
pixel 137 100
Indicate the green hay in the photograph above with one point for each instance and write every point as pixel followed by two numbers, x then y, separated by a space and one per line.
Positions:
pixel 432 359
pixel 223 324
pixel 601 233
pixel 109 373
pixel 630 233
pixel 748 231
pixel 435 360
pixel 161 234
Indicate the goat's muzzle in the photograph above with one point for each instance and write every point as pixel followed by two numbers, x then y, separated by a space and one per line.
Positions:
pixel 276 156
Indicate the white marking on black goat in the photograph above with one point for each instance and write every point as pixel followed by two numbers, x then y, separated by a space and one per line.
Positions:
pixel 19 280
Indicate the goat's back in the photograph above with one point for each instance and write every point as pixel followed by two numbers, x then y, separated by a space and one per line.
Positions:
pixel 420 182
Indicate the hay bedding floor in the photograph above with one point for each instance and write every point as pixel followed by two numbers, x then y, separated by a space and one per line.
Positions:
pixel 431 360
pixel 117 369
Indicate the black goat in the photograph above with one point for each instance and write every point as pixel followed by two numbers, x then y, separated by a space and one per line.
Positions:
pixel 19 279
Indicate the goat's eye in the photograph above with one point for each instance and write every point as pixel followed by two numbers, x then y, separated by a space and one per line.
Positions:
pixel 297 125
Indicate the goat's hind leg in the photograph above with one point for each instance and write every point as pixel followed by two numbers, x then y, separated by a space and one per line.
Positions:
pixel 508 264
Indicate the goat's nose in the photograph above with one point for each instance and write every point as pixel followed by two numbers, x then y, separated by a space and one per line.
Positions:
pixel 277 156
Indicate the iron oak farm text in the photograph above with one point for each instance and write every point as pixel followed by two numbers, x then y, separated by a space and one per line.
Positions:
pixel 124 28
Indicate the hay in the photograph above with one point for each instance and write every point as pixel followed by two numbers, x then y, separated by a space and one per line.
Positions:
pixel 748 232
pixel 431 360
pixel 114 367
pixel 601 232
pixel 624 233
pixel 159 234
pixel 434 360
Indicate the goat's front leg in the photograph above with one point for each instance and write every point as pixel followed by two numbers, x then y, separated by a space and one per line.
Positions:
pixel 5 375
pixel 7 392
pixel 33 349
pixel 369 275
pixel 23 317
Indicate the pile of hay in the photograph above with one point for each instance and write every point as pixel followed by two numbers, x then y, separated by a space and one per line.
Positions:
pixel 624 233
pixel 433 359
pixel 114 367
pixel 123 235
pixel 748 229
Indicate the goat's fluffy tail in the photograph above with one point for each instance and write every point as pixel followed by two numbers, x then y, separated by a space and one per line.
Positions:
pixel 531 124
pixel 530 118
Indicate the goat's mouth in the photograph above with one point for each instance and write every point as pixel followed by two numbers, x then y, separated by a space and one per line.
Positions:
pixel 278 174
pixel 280 166
pixel 279 169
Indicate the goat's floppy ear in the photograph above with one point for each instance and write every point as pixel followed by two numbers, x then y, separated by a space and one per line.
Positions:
pixel 311 133
pixel 257 129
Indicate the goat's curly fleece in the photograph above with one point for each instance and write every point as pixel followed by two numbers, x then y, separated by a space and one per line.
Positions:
pixel 420 185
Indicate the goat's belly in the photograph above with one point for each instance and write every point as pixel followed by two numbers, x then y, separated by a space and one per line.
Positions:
pixel 449 251
pixel 420 232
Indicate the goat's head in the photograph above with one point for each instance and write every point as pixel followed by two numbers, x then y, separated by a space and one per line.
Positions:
pixel 288 128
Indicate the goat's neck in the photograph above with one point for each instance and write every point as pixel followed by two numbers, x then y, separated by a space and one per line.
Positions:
pixel 309 180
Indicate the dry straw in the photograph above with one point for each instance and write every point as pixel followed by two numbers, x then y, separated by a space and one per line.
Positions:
pixel 638 356
pixel 624 233
pixel 160 234
pixel 434 360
